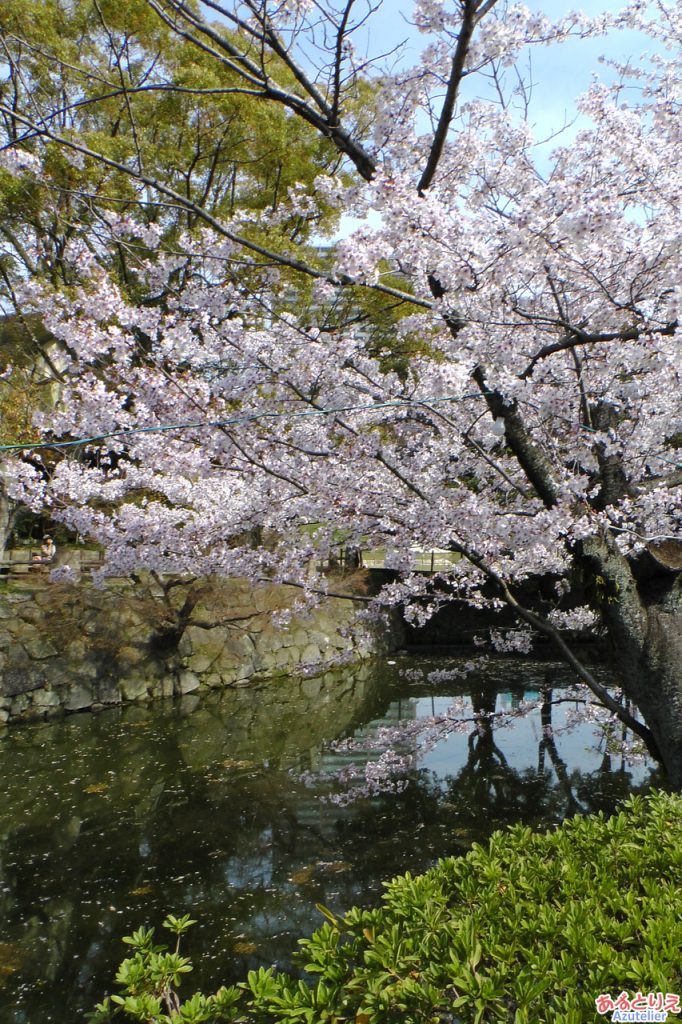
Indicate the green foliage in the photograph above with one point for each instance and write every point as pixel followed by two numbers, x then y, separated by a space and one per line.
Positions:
pixel 528 928
pixel 26 384
pixel 101 73
pixel 150 978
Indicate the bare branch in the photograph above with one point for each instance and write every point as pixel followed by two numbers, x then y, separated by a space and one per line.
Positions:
pixel 318 116
pixel 340 36
pixel 447 111
pixel 531 459
pixel 124 89
pixel 485 9
pixel 270 38
pixel 323 593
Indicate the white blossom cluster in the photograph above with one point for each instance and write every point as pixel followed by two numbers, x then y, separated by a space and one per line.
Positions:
pixel 539 310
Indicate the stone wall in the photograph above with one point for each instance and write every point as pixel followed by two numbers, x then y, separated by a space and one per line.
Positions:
pixel 72 647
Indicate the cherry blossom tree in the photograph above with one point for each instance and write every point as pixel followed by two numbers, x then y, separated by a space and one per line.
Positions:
pixel 534 429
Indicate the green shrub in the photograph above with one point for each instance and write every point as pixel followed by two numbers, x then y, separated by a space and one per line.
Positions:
pixel 530 928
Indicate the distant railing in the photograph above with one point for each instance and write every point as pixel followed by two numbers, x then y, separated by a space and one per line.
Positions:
pixel 25 560
pixel 348 558
pixel 21 561
pixel 436 560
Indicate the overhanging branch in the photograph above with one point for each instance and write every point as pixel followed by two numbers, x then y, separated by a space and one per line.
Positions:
pixel 542 625
pixel 279 259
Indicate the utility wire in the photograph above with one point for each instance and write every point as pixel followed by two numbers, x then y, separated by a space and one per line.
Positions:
pixel 251 418
pixel 256 417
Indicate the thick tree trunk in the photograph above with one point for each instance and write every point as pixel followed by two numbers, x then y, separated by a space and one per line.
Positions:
pixel 643 616
pixel 661 668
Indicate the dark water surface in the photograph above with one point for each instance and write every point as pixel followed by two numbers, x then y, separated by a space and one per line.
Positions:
pixel 113 820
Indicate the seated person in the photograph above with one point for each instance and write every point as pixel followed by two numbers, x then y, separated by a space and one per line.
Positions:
pixel 48 550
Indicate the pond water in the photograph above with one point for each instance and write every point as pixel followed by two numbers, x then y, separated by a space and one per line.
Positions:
pixel 113 820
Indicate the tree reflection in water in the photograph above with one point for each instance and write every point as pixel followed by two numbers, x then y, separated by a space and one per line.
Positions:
pixel 112 821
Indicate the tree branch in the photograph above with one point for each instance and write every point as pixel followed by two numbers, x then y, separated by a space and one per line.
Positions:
pixel 542 625
pixel 319 117
pixel 531 458
pixel 576 338
pixel 340 36
pixel 456 74
pixel 323 593
pixel 277 258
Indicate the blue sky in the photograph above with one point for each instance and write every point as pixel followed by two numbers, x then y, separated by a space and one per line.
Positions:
pixel 560 72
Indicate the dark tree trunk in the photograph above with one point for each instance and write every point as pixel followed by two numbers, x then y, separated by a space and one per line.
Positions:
pixel 641 605
pixel 661 670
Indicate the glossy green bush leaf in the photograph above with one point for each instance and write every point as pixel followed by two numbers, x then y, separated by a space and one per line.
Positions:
pixel 529 928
